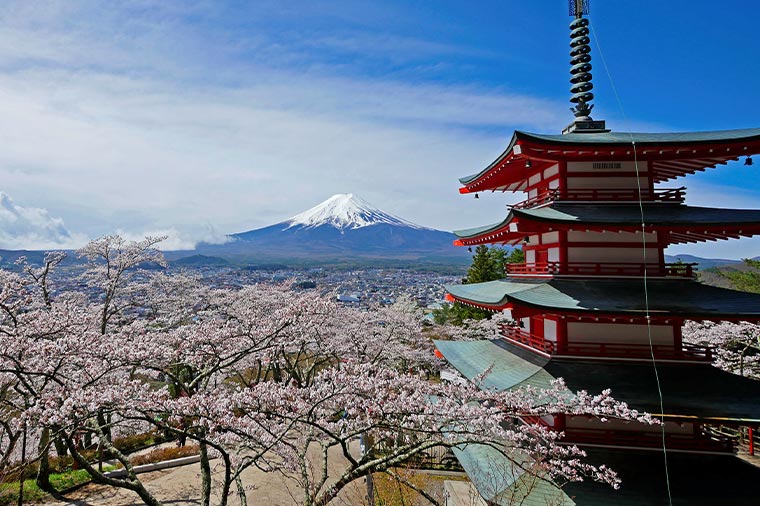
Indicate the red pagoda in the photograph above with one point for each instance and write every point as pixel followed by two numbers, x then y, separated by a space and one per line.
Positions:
pixel 596 304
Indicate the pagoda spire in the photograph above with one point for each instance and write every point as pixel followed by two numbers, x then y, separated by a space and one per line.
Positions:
pixel 580 71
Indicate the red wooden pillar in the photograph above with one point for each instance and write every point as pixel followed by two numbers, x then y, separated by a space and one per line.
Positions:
pixel 751 438
pixel 661 254
pixel 562 334
pixel 563 251
pixel 563 179
pixel 677 337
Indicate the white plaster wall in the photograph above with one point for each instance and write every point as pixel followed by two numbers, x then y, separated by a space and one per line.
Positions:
pixel 551 171
pixel 627 166
pixel 534 179
pixel 550 330
pixel 582 422
pixel 530 256
pixel 553 254
pixel 607 182
pixel 589 236
pixel 629 333
pixel 612 255
pixel 550 237
pixel 526 324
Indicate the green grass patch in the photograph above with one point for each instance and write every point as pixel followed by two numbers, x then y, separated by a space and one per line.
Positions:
pixel 33 494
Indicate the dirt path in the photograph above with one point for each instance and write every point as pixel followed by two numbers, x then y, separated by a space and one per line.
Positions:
pixel 181 486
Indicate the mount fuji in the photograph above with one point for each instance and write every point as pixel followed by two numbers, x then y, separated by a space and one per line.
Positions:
pixel 343 229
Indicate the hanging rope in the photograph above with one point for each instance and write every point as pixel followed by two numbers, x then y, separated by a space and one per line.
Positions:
pixel 644 249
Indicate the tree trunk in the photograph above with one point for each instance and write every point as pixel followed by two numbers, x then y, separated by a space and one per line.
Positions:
pixel 23 469
pixel 205 476
pixel 43 472
pixel 104 423
pixel 241 491
pixel 130 483
pixel 227 484
pixel 60 446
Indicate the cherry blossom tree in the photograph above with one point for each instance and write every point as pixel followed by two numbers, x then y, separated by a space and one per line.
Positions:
pixel 264 376
pixel 736 346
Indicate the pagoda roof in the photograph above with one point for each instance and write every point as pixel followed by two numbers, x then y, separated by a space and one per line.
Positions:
pixel 693 479
pixel 684 223
pixel 690 391
pixel 645 139
pixel 509 479
pixel 625 297
pixel 675 154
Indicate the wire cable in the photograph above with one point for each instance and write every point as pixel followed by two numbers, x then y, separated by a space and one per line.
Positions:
pixel 644 248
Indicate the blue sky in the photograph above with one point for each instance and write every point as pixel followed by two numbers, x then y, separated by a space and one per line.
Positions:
pixel 197 119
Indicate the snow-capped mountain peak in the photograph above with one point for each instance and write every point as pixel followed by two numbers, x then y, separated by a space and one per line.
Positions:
pixel 345 211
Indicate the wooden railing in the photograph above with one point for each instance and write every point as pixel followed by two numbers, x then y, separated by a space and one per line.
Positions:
pixel 607 350
pixel 648 440
pixel 681 270
pixel 533 341
pixel 675 195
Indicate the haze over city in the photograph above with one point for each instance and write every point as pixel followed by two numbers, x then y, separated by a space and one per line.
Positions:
pixel 200 119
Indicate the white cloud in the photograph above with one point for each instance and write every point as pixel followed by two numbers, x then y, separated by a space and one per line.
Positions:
pixel 118 120
pixel 178 239
pixel 33 228
pixel 98 145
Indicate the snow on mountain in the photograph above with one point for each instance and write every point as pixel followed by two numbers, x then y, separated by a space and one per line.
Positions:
pixel 343 230
pixel 345 211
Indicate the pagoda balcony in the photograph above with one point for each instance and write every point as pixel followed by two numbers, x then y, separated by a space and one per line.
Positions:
pixel 618 438
pixel 680 270
pixel 670 195
pixel 702 442
pixel 597 350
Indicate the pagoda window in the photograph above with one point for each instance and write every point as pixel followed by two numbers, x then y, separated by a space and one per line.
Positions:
pixel 607 168
pixel 591 182
pixel 550 330
pixel 619 333
pixel 580 236
pixel 583 422
pixel 552 171
pixel 610 254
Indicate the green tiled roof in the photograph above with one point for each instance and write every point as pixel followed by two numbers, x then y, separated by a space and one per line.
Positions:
pixel 624 138
pixel 472 358
pixel 714 137
pixel 503 480
pixel 689 390
pixel 695 480
pixel 476 231
pixel 624 215
pixel 630 214
pixel 666 297
pixel 694 390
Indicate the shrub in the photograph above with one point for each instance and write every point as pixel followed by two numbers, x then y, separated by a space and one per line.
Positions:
pixel 162 454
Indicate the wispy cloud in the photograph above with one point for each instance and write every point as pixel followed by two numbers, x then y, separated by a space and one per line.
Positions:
pixel 162 116
pixel 33 228
pixel 110 121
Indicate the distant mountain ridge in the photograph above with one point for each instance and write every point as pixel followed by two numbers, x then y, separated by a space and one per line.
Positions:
pixel 342 229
